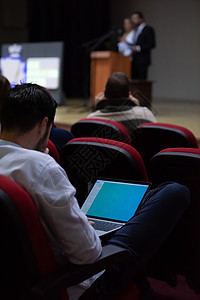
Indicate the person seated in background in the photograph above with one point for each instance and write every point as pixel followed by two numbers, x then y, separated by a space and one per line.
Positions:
pixel 60 137
pixel 27 117
pixel 117 104
pixel 4 88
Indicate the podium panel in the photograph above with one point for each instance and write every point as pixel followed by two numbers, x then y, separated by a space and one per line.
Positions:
pixel 103 64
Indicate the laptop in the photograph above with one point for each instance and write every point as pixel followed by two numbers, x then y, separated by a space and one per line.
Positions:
pixel 112 203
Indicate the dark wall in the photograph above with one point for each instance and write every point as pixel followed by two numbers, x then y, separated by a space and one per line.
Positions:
pixel 13 21
pixel 74 22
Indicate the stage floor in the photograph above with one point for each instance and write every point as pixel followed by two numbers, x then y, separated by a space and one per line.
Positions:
pixel 183 113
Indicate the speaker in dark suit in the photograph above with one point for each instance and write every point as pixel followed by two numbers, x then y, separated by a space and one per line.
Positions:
pixel 144 41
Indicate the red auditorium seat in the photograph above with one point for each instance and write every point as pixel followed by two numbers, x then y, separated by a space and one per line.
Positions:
pixel 86 159
pixel 181 253
pixel 94 127
pixel 28 266
pixel 150 138
pixel 53 151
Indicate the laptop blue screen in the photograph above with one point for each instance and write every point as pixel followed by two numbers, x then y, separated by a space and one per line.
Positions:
pixel 114 200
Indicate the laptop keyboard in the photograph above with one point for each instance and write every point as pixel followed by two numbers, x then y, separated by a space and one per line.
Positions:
pixel 105 226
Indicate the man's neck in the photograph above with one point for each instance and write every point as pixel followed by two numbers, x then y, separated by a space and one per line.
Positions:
pixel 141 25
pixel 25 140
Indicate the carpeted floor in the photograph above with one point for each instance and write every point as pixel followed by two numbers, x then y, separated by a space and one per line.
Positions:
pixel 162 291
pixel 183 113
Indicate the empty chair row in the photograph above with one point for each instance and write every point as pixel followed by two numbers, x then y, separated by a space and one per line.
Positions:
pixel 147 138
pixel 150 138
pixel 102 128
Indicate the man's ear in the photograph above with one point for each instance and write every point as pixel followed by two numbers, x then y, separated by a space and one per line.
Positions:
pixel 43 125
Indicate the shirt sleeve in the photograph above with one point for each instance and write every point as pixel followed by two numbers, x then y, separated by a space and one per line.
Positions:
pixel 55 197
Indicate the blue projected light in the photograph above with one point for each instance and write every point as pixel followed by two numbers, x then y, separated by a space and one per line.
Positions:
pixel 39 63
pixel 115 200
pixel 14 69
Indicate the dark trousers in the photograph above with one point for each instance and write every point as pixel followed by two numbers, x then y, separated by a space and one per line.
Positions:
pixel 139 71
pixel 143 235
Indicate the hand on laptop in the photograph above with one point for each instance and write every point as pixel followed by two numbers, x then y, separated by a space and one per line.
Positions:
pixel 91 223
pixel 46 151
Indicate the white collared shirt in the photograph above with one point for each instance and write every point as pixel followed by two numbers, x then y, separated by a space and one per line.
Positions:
pixel 139 30
pixel 137 33
pixel 72 237
pixel 124 47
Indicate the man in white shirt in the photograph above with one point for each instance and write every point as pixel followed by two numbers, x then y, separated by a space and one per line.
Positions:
pixel 27 116
pixel 25 131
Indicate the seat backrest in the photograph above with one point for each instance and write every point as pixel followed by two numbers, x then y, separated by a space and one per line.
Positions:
pixel 182 165
pixel 26 252
pixel 150 138
pixel 86 159
pixel 53 151
pixel 102 128
pixel 60 137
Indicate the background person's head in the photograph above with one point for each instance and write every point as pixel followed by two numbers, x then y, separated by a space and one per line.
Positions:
pixel 128 25
pixel 137 18
pixel 25 107
pixel 117 86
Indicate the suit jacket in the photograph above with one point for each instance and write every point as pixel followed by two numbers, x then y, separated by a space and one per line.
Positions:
pixel 146 40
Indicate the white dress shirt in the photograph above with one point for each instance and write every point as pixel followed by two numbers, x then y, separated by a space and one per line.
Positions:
pixel 137 33
pixel 72 237
pixel 124 47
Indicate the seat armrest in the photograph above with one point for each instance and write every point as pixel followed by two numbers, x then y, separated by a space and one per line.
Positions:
pixel 71 274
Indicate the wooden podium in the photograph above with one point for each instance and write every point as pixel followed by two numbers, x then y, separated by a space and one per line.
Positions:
pixel 103 64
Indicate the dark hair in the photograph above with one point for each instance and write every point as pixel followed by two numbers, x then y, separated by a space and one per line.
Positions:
pixel 139 13
pixel 25 106
pixel 117 86
pixel 4 88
